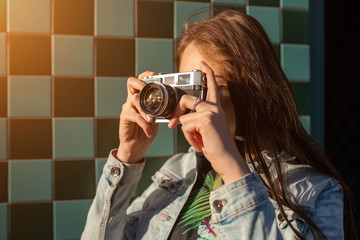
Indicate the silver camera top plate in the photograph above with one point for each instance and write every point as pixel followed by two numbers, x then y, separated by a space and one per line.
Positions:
pixel 182 79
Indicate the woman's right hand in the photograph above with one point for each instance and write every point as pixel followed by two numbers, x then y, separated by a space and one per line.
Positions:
pixel 137 130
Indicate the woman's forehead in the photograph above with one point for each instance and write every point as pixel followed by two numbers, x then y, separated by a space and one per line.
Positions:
pixel 190 59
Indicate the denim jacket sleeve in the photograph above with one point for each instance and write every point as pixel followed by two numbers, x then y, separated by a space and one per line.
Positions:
pixel 115 187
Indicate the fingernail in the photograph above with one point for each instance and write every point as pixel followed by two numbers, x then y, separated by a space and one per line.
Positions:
pixel 148 117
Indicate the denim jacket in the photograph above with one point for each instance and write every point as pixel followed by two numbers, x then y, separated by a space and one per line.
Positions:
pixel 240 210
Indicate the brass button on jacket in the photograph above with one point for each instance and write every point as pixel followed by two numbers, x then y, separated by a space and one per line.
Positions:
pixel 115 171
pixel 217 206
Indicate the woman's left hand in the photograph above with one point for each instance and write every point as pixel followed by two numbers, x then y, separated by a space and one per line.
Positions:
pixel 206 130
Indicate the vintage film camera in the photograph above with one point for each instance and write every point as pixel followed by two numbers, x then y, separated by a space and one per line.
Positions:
pixel 162 92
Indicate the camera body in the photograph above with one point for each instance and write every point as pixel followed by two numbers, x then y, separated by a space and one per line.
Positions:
pixel 162 92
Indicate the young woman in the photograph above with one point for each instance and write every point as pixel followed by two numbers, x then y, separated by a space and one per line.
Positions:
pixel 253 172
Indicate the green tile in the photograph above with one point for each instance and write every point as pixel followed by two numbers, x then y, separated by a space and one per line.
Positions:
pixel 70 218
pixel 73 55
pixel 74 179
pixel 182 144
pixel 30 96
pixel 295 27
pixel 31 220
pixel 163 144
pixel 3 182
pixel 269 18
pixel 3 221
pixel 73 138
pixel 2 53
pixel 295 61
pixel 273 3
pixel 36 20
pixel 99 165
pixel 184 9
pixel 115 18
pixel 110 95
pixel 301 91
pixel 220 7
pixel 155 55
pixel 306 122
pixel 30 180
pixel 3 145
pixel 151 166
pixel 303 4
pixel 230 1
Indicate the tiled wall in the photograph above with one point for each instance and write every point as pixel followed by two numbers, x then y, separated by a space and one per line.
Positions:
pixel 63 71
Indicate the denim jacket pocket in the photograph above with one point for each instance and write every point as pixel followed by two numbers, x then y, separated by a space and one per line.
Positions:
pixel 165 188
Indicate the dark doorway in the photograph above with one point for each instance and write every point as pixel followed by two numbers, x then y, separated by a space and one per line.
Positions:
pixel 342 77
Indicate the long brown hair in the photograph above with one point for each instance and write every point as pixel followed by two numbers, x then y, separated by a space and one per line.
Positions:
pixel 266 116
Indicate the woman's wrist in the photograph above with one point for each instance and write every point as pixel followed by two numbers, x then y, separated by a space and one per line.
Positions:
pixel 127 157
pixel 234 168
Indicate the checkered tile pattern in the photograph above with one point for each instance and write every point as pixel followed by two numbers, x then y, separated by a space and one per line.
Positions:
pixel 63 71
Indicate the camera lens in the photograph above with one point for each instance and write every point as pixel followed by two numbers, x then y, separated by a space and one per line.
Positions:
pixel 152 99
pixel 159 100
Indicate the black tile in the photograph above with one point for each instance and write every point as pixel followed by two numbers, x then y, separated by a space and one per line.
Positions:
pixel 155 19
pixel 3 181
pixel 107 136
pixel 74 179
pixel 277 50
pixel 74 17
pixel 269 3
pixel 115 57
pixel 74 97
pixel 31 221
pixel 2 15
pixel 30 55
pixel 30 139
pixel 301 91
pixel 296 28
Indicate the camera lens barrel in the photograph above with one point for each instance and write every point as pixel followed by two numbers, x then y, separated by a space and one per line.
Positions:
pixel 159 100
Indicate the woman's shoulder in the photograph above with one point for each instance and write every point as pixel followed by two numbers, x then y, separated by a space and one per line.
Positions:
pixel 308 185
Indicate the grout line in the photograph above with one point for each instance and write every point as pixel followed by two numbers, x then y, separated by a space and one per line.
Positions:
pixel 8 120
pixel 135 18
pixel 94 86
